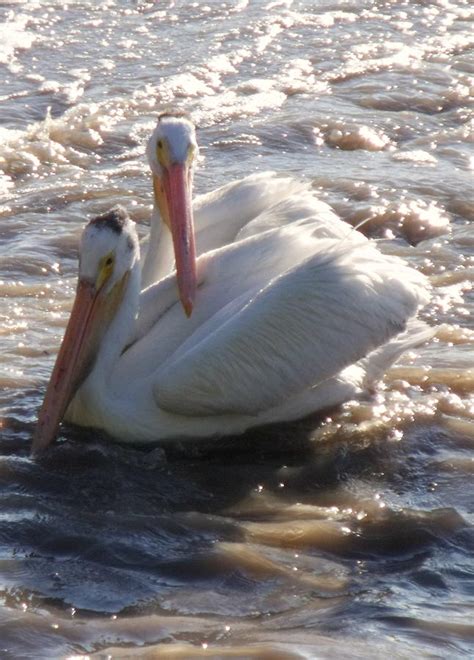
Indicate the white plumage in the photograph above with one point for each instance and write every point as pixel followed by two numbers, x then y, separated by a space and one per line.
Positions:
pixel 265 344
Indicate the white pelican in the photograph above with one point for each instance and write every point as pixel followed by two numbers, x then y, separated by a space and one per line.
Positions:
pixel 287 324
pixel 235 211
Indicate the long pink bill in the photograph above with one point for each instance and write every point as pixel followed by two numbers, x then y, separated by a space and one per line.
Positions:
pixel 74 358
pixel 178 195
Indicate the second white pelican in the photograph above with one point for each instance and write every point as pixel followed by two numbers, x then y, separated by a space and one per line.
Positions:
pixel 180 230
pixel 287 324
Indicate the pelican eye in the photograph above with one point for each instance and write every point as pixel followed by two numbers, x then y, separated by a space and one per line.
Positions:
pixel 162 153
pixel 106 267
pixel 108 263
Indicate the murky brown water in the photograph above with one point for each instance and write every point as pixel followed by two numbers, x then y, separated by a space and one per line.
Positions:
pixel 346 537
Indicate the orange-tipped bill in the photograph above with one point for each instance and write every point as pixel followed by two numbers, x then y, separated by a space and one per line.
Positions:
pixel 175 203
pixel 75 357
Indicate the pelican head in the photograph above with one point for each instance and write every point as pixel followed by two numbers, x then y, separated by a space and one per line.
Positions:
pixel 108 252
pixel 171 150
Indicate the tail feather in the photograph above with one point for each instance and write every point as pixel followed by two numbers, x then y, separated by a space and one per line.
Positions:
pixel 377 362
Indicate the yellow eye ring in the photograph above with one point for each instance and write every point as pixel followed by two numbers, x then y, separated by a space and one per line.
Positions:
pixel 106 268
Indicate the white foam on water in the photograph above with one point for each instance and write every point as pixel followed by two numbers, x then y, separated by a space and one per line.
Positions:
pixel 15 37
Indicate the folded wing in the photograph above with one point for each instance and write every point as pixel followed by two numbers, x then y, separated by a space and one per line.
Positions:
pixel 302 328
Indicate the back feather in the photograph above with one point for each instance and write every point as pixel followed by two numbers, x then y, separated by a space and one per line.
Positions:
pixel 304 327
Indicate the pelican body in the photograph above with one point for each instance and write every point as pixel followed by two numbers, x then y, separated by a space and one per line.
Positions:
pixel 287 323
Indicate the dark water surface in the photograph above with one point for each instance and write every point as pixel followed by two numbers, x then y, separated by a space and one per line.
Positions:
pixel 348 536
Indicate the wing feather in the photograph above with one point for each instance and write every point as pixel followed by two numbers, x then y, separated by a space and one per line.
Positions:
pixel 301 329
